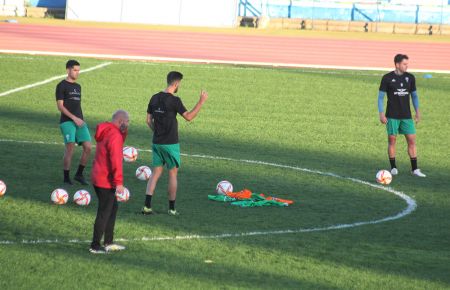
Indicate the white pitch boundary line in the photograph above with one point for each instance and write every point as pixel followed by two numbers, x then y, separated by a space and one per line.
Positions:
pixel 246 68
pixel 359 72
pixel 16 57
pixel 140 62
pixel 207 61
pixel 51 79
pixel 411 206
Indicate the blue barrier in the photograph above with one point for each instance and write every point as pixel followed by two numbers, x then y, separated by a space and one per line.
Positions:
pixel 348 11
pixel 48 3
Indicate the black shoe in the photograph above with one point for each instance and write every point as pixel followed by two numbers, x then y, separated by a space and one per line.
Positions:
pixel 80 179
pixel 68 182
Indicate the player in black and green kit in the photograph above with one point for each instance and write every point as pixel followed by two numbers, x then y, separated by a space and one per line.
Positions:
pixel 72 125
pixel 162 120
pixel 399 85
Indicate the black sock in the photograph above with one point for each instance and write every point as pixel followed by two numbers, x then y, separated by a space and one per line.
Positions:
pixel 148 201
pixel 66 175
pixel 80 170
pixel 172 204
pixel 413 163
pixel 392 161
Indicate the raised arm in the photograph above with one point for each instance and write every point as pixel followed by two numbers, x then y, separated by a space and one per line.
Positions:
pixel 190 115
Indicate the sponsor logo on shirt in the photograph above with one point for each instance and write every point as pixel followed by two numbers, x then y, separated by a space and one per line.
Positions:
pixel 401 92
pixel 74 92
pixel 393 80
pixel 74 95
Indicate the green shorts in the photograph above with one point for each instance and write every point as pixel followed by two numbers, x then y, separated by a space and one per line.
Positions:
pixel 74 134
pixel 166 154
pixel 400 126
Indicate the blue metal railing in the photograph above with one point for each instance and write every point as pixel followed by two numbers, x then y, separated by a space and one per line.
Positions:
pixel 359 11
pixel 247 6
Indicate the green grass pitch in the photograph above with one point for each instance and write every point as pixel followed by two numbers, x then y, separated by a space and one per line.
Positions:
pixel 318 119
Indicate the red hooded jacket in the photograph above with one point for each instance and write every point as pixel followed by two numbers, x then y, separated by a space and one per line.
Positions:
pixel 107 171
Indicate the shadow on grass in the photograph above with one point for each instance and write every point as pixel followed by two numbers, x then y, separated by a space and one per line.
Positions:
pixel 180 265
pixel 386 235
pixel 319 200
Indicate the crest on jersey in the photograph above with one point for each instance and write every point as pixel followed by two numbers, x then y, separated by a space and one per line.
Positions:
pixel 407 79
pixel 393 80
pixel 401 84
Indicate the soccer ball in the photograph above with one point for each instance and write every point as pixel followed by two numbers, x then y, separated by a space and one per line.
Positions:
pixel 59 196
pixel 82 197
pixel 130 154
pixel 124 197
pixel 384 177
pixel 143 173
pixel 2 188
pixel 224 187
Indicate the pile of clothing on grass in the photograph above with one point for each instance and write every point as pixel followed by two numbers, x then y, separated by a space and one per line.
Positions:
pixel 246 198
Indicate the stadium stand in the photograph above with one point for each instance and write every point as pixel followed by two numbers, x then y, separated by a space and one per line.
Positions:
pixel 385 16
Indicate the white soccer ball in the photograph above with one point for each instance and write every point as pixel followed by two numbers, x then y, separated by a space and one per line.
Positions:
pixel 59 196
pixel 123 197
pixel 2 188
pixel 143 173
pixel 82 197
pixel 384 177
pixel 130 154
pixel 224 187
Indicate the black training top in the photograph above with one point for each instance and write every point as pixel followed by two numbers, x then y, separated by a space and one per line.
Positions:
pixel 164 108
pixel 398 89
pixel 70 93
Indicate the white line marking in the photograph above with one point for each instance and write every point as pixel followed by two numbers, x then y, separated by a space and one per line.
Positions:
pixel 16 57
pixel 411 206
pixel 359 72
pixel 215 61
pixel 245 68
pixel 51 79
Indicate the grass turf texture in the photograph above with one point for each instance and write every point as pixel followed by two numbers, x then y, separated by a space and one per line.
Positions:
pixel 318 119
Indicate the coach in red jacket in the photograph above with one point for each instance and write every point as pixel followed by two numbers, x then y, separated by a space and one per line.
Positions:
pixel 107 178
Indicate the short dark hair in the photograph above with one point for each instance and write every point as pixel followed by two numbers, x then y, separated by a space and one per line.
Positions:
pixel 400 57
pixel 71 63
pixel 174 76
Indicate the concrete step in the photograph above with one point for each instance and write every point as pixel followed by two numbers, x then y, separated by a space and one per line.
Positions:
pixel 42 12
